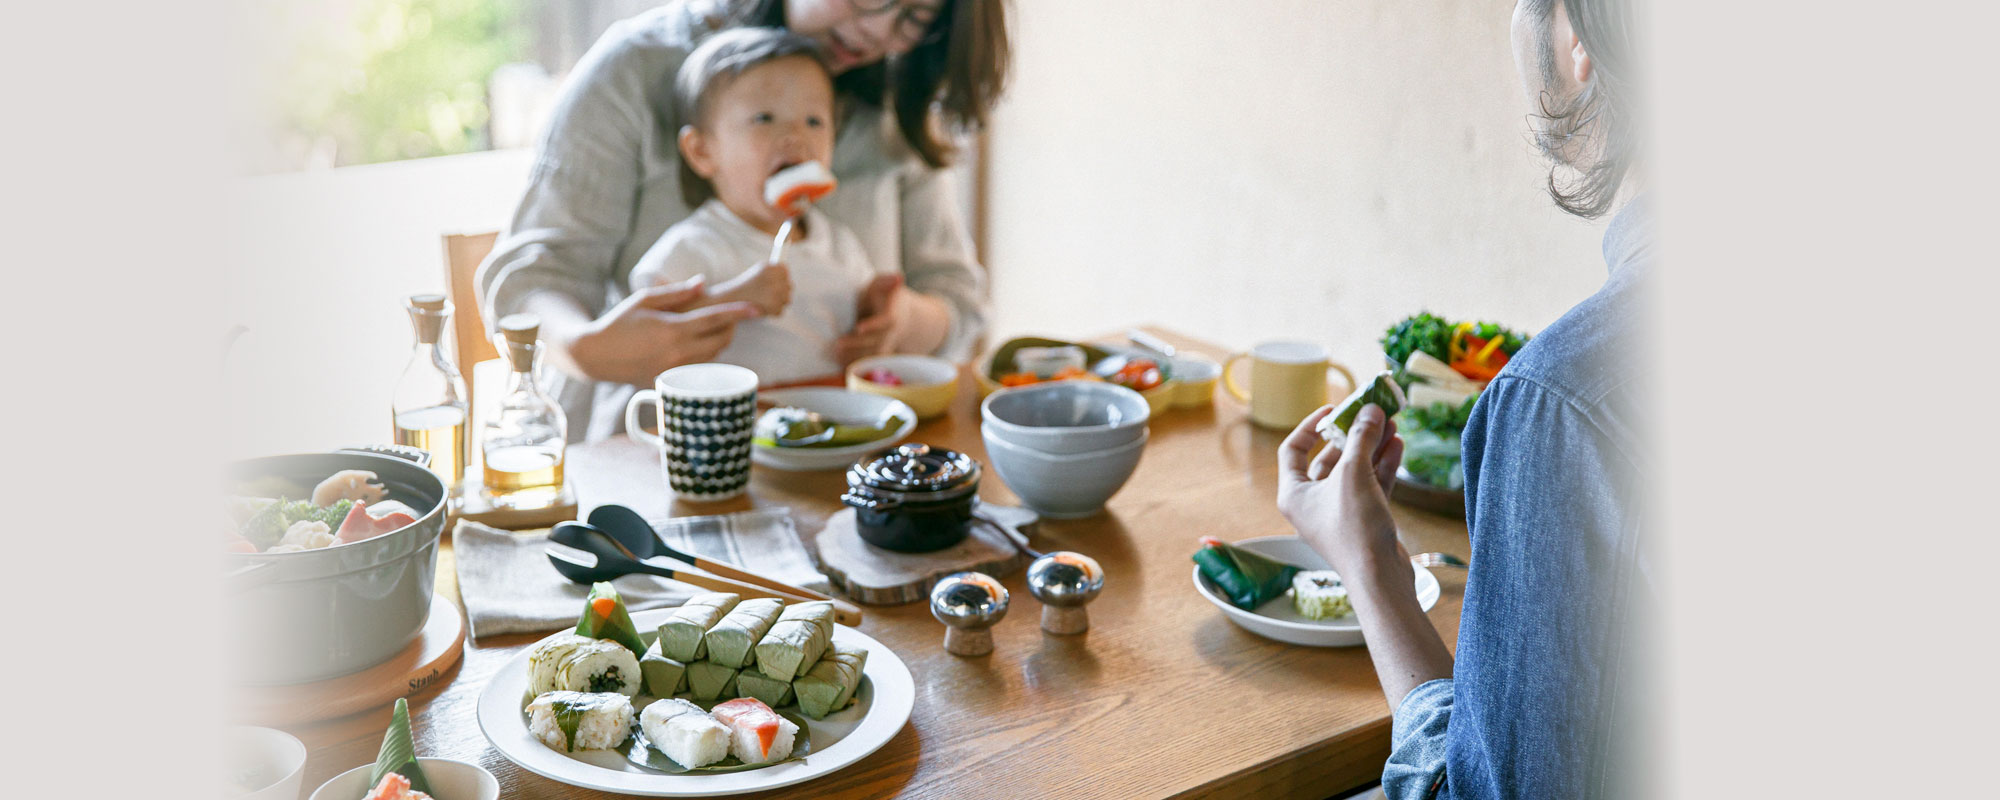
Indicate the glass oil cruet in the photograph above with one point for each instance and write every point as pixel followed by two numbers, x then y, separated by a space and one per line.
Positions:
pixel 429 408
pixel 522 441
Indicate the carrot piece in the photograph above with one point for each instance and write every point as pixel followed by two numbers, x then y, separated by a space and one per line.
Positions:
pixel 603 606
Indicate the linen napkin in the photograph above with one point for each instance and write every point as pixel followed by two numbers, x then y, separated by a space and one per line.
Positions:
pixel 508 585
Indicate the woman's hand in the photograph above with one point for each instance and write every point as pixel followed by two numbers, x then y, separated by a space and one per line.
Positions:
pixel 766 285
pixel 1339 501
pixel 652 331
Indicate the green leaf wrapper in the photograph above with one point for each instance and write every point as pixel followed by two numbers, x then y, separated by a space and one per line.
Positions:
pixel 732 641
pixel 771 692
pixel 795 641
pixel 1246 579
pixel 617 628
pixel 708 680
pixel 1381 391
pixel 681 635
pixel 828 686
pixel 399 753
pixel 664 676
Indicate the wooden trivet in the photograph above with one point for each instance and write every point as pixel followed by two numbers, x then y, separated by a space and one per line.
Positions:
pixel 473 505
pixel 436 649
pixel 878 577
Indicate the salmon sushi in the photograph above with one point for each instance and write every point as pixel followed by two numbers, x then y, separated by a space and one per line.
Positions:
pixel 757 735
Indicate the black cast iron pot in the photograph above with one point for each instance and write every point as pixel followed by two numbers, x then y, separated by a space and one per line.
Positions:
pixel 913 498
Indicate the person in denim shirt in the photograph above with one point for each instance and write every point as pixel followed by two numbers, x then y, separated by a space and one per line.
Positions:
pixel 1542 692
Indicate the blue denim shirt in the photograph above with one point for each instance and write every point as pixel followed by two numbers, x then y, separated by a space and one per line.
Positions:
pixel 1539 694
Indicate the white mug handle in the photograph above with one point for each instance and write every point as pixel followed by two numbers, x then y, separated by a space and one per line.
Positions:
pixel 632 429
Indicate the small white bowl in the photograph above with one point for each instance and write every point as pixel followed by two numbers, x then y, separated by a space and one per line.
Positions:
pixel 449 780
pixel 1278 620
pixel 1064 485
pixel 839 405
pixel 263 764
pixel 1066 416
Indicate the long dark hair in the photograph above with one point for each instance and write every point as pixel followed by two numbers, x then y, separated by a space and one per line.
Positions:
pixel 959 71
pixel 1599 125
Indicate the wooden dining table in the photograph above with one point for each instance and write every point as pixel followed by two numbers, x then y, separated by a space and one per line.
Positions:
pixel 1162 697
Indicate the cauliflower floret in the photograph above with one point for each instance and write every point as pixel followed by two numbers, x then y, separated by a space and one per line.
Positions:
pixel 306 535
pixel 349 484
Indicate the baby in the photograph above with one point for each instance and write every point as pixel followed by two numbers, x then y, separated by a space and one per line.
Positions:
pixel 759 100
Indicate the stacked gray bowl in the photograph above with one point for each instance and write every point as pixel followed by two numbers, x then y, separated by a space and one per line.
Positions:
pixel 1065 447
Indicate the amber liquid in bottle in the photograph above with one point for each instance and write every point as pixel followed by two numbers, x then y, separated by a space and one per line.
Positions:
pixel 441 431
pixel 429 408
pixel 522 443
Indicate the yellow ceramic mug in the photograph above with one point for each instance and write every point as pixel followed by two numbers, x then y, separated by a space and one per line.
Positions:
pixel 1287 381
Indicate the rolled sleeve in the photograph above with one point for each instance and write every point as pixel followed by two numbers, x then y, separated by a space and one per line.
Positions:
pixel 938 257
pixel 1417 743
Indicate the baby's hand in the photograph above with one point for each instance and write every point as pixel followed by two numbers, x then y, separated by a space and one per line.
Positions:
pixel 768 286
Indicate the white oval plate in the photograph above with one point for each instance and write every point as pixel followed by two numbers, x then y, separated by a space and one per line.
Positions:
pixel 840 405
pixel 1278 620
pixel 882 706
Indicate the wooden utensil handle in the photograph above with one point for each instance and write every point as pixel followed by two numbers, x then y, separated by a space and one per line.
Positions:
pixel 842 609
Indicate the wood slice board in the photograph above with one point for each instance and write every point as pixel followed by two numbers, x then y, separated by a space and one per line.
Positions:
pixel 436 650
pixel 472 505
pixel 878 577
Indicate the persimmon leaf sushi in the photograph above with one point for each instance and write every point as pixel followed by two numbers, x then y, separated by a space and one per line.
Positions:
pixel 664 676
pixel 1319 594
pixel 681 635
pixel 605 617
pixel 572 721
pixel 774 693
pixel 830 684
pixel 795 641
pixel 680 730
pixel 599 666
pixel 1381 391
pixel 732 642
pixel 708 680
pixel 757 735
pixel 1246 579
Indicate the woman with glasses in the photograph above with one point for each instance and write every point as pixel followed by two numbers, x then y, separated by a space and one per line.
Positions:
pixel 606 184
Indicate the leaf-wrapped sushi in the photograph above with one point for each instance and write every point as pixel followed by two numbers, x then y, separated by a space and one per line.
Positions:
pixel 681 635
pixel 1319 594
pixel 605 617
pixel 750 683
pixel 1246 579
pixel 830 684
pixel 1382 391
pixel 572 721
pixel 708 680
pixel 732 641
pixel 795 641
pixel 664 676
pixel 547 656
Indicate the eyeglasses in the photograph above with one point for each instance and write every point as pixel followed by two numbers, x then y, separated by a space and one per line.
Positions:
pixel 911 25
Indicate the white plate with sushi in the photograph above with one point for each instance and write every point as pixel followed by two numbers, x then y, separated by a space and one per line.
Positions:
pixel 1279 620
pixel 882 704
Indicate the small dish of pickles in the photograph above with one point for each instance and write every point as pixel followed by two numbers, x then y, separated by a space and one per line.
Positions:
pixel 825 428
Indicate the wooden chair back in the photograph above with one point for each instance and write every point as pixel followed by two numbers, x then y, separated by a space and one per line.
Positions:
pixel 463 253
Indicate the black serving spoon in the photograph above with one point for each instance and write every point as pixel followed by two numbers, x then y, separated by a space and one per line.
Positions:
pixel 638 536
pixel 613 560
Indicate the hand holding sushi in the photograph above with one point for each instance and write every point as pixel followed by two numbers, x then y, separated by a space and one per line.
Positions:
pixel 1339 501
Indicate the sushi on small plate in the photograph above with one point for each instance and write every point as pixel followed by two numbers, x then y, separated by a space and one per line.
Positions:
pixel 757 735
pixel 680 730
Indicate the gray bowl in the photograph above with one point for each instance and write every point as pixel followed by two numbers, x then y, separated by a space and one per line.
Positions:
pixel 1064 485
pixel 1066 417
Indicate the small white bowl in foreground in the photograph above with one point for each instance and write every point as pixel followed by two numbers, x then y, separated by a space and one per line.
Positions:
pixel 263 764
pixel 1278 620
pixel 449 780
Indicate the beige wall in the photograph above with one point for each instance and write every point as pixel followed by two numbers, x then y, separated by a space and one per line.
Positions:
pixel 1279 168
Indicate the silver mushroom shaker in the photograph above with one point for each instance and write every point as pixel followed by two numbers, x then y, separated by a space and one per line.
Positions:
pixel 1065 582
pixel 968 603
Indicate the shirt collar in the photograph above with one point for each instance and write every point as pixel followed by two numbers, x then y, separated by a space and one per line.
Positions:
pixel 1630 235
